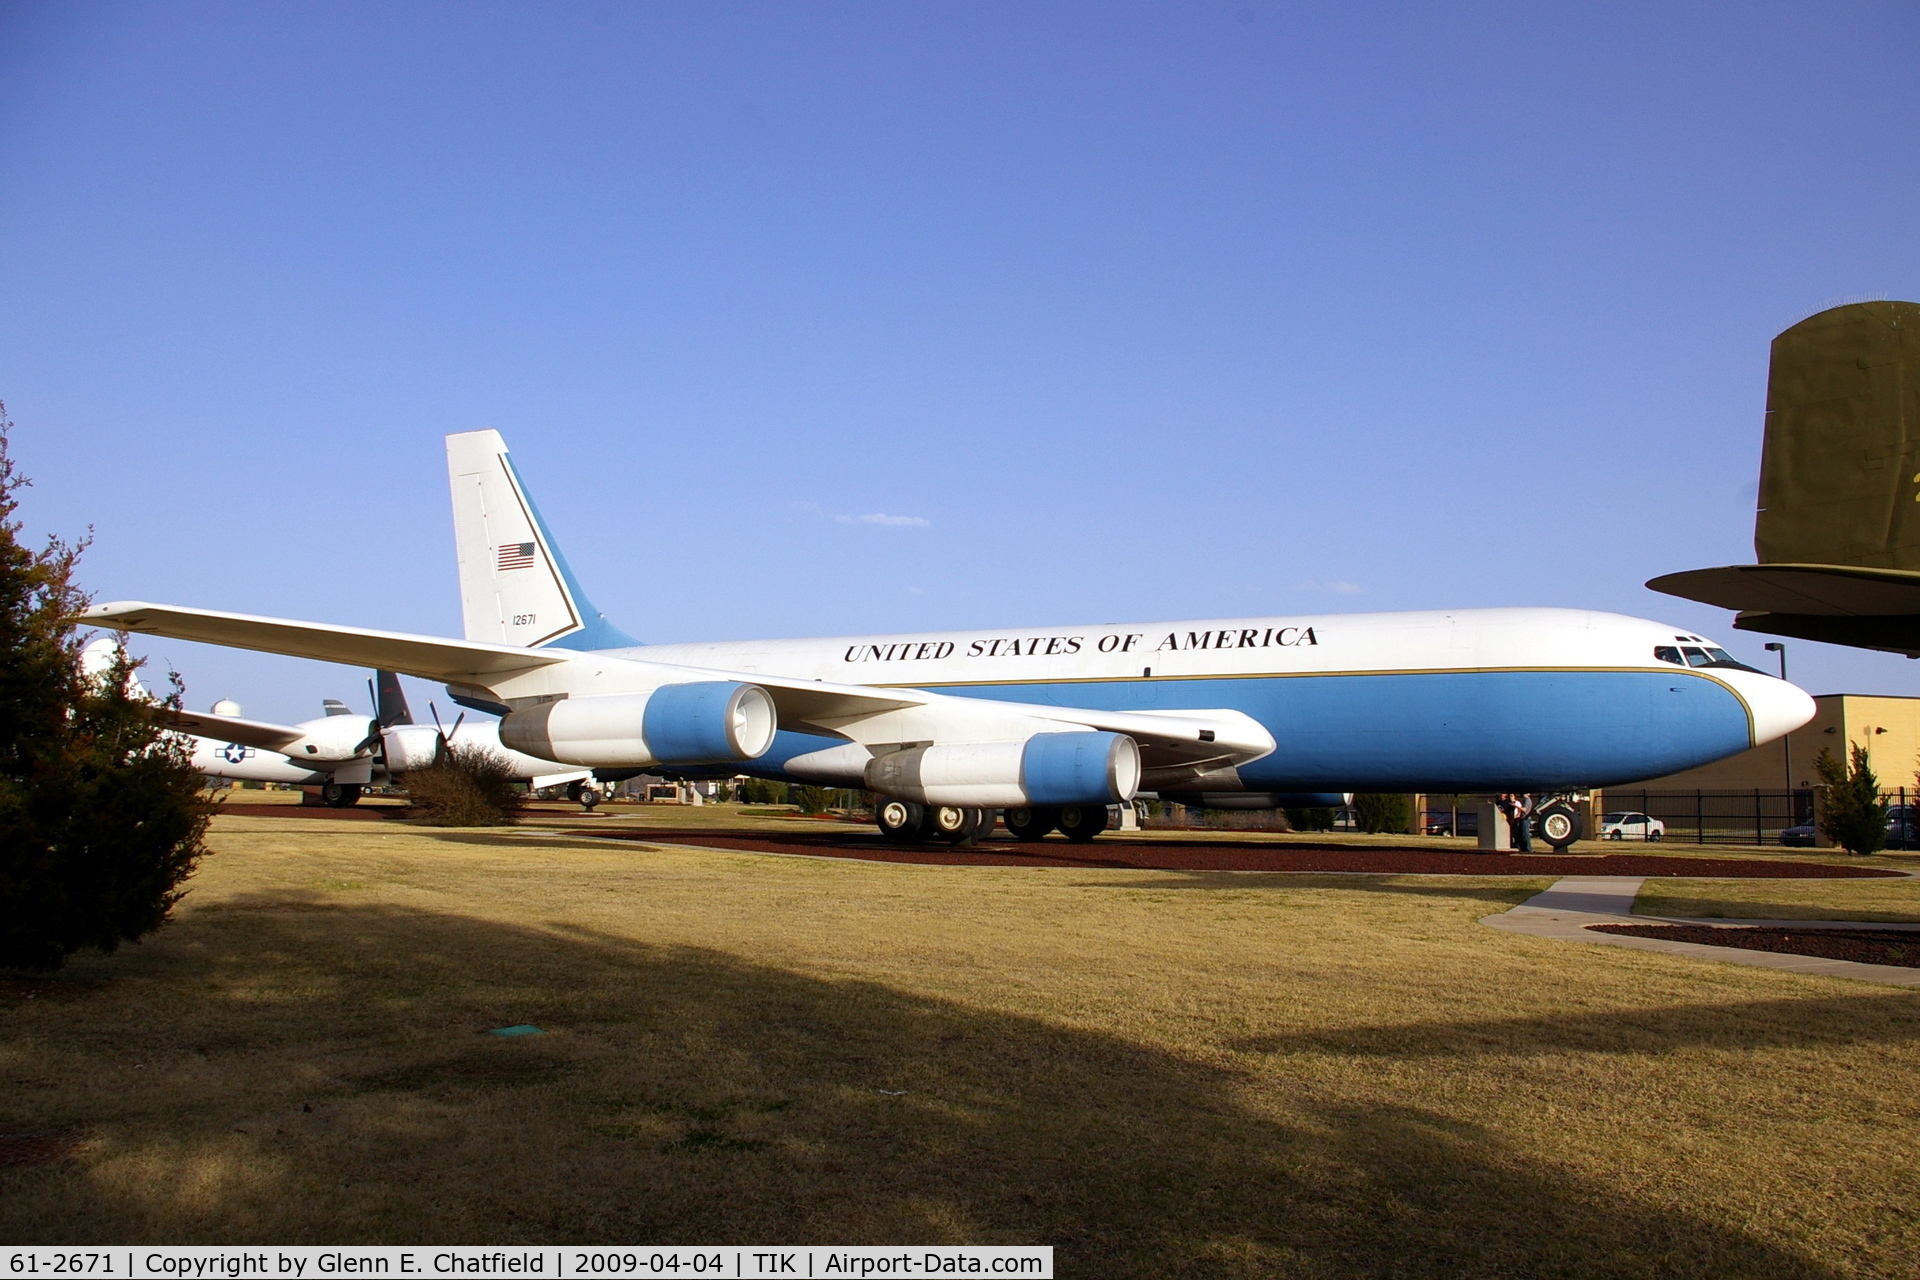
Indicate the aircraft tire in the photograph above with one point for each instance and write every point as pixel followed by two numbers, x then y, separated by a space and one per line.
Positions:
pixel 1082 822
pixel 1558 824
pixel 340 795
pixel 1031 823
pixel 950 824
pixel 899 820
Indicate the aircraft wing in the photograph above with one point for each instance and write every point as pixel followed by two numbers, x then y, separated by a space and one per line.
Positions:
pixel 251 733
pixel 429 657
pixel 1201 738
pixel 1185 739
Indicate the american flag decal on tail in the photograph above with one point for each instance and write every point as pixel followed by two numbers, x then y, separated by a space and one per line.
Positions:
pixel 516 555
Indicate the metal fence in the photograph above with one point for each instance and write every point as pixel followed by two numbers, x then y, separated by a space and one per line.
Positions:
pixel 1713 817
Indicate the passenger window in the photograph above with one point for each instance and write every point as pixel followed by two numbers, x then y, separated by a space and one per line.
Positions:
pixel 1667 653
pixel 1696 657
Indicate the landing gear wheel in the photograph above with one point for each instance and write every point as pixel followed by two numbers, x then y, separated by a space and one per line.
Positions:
pixel 1082 822
pixel 953 824
pixel 1558 824
pixel 583 793
pixel 1031 824
pixel 340 795
pixel 899 820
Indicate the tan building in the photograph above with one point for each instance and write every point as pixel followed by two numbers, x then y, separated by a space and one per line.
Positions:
pixel 1889 728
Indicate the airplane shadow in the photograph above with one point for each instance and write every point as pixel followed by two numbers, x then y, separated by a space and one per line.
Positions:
pixel 294 1070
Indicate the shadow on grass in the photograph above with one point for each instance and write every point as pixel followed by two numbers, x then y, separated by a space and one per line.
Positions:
pixel 1757 1024
pixel 295 1071
pixel 1507 892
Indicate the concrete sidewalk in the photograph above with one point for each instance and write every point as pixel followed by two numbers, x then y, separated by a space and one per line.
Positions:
pixel 1565 911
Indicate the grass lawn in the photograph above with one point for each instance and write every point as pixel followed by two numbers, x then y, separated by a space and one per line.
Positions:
pixel 1159 1073
pixel 1887 901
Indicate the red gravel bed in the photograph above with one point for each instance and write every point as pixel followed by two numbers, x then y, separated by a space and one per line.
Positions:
pixel 1242 855
pixel 371 813
pixel 1864 946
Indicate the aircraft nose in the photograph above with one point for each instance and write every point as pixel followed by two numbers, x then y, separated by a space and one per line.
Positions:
pixel 1778 707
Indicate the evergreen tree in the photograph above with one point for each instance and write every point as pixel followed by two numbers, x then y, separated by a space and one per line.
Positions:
pixel 1852 814
pixel 101 814
pixel 1321 819
pixel 1380 813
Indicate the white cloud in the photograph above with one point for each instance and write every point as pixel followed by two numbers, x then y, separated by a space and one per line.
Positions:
pixel 878 517
pixel 1337 588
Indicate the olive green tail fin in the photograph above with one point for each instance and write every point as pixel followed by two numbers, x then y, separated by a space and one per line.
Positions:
pixel 1837 534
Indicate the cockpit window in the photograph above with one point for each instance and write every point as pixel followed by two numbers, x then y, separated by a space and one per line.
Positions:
pixel 1696 657
pixel 1668 653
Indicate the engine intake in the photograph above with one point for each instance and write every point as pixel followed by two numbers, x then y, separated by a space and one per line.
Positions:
pixel 704 722
pixel 1046 769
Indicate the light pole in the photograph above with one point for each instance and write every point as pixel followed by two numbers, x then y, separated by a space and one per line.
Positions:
pixel 1786 739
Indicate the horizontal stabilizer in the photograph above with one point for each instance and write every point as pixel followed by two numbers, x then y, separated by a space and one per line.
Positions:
pixel 429 657
pixel 1832 590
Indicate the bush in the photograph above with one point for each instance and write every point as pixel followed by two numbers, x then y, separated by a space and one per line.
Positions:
pixel 467 786
pixel 1852 814
pixel 810 799
pixel 761 791
pixel 101 814
pixel 1310 819
pixel 1376 813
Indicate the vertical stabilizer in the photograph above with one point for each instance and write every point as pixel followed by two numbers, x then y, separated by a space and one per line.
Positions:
pixel 390 700
pixel 1840 469
pixel 515 587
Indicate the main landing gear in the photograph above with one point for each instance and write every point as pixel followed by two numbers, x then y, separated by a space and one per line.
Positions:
pixel 584 794
pixel 340 795
pixel 904 822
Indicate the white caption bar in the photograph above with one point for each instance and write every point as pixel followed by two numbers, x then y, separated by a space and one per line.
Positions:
pixel 305 1262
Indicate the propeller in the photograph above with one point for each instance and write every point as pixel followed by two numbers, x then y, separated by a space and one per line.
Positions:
pixel 445 734
pixel 373 725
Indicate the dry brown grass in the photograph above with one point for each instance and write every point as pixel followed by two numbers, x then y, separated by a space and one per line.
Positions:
pixel 1159 1073
pixel 1885 901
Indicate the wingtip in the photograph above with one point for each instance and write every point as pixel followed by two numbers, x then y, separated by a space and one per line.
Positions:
pixel 112 609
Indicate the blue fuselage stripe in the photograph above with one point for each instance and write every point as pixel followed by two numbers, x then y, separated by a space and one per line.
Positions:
pixel 1427 731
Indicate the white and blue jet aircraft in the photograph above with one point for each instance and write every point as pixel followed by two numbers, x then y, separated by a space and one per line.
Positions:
pixel 1052 724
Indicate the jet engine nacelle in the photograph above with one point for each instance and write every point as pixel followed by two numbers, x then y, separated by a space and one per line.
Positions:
pixel 704 722
pixel 410 746
pixel 330 739
pixel 1046 769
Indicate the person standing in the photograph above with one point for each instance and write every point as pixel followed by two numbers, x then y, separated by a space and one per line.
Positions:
pixel 1523 824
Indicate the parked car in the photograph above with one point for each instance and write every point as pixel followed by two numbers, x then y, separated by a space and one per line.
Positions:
pixel 1801 837
pixel 1464 823
pixel 1903 827
pixel 1631 826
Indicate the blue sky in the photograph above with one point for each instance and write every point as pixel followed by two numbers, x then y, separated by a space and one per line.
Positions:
pixel 1116 311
